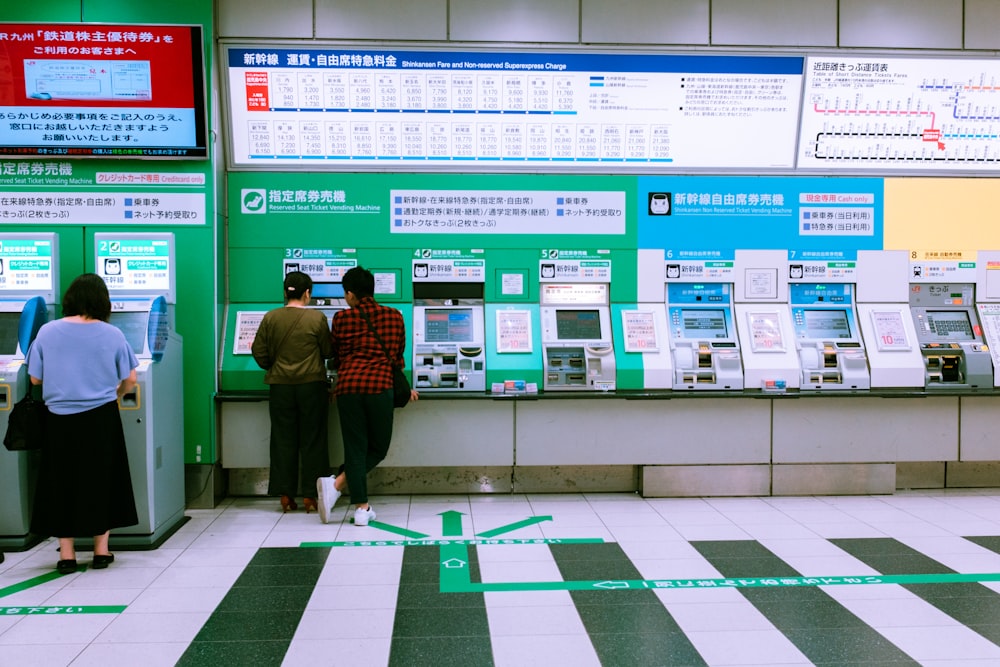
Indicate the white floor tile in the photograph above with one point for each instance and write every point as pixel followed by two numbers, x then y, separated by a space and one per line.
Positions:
pixel 538 620
pixel 153 628
pixel 544 651
pixel 160 654
pixel 367 651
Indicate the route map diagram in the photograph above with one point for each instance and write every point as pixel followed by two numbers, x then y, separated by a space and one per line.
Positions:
pixel 871 112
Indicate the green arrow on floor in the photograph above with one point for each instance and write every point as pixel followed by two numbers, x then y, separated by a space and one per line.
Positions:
pixel 405 532
pixel 454 566
pixel 451 523
pixel 34 581
pixel 510 527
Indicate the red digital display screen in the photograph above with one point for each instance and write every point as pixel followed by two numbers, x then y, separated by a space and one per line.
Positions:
pixel 98 90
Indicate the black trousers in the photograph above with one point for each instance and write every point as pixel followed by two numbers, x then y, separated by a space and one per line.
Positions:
pixel 366 427
pixel 299 448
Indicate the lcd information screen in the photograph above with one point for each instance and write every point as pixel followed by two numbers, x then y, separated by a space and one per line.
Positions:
pixel 100 90
pixel 328 290
pixel 704 323
pixel 950 324
pixel 453 325
pixel 826 323
pixel 134 326
pixel 578 325
pixel 8 333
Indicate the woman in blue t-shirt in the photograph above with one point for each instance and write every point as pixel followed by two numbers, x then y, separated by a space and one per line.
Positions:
pixel 84 365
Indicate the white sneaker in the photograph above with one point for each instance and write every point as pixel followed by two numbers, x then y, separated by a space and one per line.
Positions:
pixel 326 497
pixel 362 516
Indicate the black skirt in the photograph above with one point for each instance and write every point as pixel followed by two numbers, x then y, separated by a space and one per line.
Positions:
pixel 84 486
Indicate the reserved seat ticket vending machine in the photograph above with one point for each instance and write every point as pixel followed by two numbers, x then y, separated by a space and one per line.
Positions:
pixel 139 270
pixel 449 348
pixel 576 325
pixel 28 291
pixel 763 320
pixel 950 337
pixel 703 340
pixel 827 336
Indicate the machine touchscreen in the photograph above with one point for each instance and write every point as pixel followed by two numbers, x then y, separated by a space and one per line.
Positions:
pixel 704 322
pixel 826 323
pixel 328 290
pixel 133 325
pixel 950 324
pixel 8 332
pixel 578 325
pixel 451 325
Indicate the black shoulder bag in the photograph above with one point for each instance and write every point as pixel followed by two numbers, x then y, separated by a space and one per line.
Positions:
pixel 26 424
pixel 400 385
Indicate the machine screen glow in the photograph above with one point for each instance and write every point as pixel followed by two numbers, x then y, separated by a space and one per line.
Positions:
pixel 448 325
pixel 950 324
pixel 578 325
pixel 827 323
pixel 704 322
pixel 133 325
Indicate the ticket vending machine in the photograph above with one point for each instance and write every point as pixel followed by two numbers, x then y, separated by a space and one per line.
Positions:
pixel 577 345
pixel 703 338
pixel 28 290
pixel 894 358
pixel 139 270
pixel 988 305
pixel 449 342
pixel 827 337
pixel 950 337
pixel 763 320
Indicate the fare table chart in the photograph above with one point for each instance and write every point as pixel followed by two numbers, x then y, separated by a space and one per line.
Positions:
pixel 395 108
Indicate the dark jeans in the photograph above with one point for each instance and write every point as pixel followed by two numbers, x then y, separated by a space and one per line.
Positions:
pixel 298 437
pixel 366 427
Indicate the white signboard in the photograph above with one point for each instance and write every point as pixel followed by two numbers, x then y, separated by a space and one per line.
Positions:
pixel 876 112
pixel 391 108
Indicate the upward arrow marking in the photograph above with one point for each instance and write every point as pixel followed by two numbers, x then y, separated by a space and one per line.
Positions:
pixel 451 523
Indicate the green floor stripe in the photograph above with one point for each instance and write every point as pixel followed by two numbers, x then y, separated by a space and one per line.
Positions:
pixel 256 620
pixel 629 627
pixel 29 583
pixel 71 609
pixel 435 629
pixel 823 629
pixel 964 598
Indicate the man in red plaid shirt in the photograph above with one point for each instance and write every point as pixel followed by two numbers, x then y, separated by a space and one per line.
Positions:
pixel 363 391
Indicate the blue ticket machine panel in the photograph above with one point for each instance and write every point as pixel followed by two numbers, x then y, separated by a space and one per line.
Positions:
pixel 950 337
pixel 827 337
pixel 703 340
pixel 576 337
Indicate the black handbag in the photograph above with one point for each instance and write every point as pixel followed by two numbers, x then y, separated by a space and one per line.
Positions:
pixel 26 424
pixel 400 385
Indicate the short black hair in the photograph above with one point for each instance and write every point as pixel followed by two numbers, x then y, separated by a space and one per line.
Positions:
pixel 360 281
pixel 296 284
pixel 87 295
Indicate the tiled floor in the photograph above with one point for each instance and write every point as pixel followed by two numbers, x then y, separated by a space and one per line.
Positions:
pixel 589 579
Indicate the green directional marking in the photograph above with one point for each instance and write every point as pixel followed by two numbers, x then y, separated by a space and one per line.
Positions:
pixel 451 523
pixel 510 527
pixel 49 611
pixel 34 581
pixel 454 567
pixel 437 543
pixel 398 530
pixel 453 585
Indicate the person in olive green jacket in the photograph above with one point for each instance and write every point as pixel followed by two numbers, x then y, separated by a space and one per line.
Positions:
pixel 292 344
